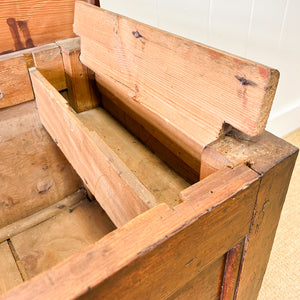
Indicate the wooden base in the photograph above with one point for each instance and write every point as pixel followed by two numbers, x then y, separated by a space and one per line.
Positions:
pixel 50 237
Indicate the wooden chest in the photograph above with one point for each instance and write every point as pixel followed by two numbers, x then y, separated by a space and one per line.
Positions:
pixel 136 166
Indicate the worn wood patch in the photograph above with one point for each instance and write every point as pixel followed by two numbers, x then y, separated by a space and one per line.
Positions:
pixel 26 24
pixel 33 171
pixel 15 86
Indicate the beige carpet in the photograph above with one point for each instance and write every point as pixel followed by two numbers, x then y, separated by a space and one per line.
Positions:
pixel 282 278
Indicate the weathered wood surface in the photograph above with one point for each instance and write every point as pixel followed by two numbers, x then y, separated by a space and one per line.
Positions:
pixel 270 199
pixel 82 90
pixel 34 173
pixel 9 273
pixel 30 23
pixel 180 84
pixel 274 160
pixel 192 228
pixel 48 61
pixel 50 242
pixel 205 286
pixel 170 151
pixel 15 86
pixel 231 271
pixel 119 192
pixel 21 225
pixel 152 172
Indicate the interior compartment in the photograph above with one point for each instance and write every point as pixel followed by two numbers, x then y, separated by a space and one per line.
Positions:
pixel 35 242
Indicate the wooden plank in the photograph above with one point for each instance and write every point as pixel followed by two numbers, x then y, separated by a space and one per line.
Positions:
pixel 231 271
pixel 21 225
pixel 118 191
pixel 266 216
pixel 206 285
pixel 274 159
pixel 82 90
pixel 15 86
pixel 48 61
pixel 31 23
pixel 34 173
pixel 50 242
pixel 10 275
pixel 169 151
pixel 148 256
pixel 186 84
pixel 153 173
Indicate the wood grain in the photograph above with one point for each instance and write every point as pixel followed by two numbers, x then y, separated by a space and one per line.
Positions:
pixel 231 271
pixel 10 275
pixel 204 286
pixel 140 272
pixel 152 172
pixel 15 86
pixel 186 84
pixel 118 191
pixel 170 151
pixel 48 61
pixel 266 216
pixel 26 24
pixel 273 159
pixel 34 173
pixel 50 242
pixel 19 226
pixel 82 90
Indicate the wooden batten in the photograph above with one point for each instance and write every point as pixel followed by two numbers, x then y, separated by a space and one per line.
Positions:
pixel 185 89
pixel 82 90
pixel 117 190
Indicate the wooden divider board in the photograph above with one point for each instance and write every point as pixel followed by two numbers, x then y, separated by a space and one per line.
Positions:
pixel 188 89
pixel 115 187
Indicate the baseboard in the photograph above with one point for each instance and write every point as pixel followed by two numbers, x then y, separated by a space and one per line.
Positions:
pixel 285 121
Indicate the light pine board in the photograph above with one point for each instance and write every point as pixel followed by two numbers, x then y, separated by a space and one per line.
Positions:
pixel 188 86
pixel 9 273
pixel 46 244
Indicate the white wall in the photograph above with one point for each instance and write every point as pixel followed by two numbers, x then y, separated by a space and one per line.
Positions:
pixel 266 31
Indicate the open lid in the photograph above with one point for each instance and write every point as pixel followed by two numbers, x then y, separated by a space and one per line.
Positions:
pixel 185 88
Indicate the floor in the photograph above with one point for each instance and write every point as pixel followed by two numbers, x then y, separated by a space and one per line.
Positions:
pixel 282 278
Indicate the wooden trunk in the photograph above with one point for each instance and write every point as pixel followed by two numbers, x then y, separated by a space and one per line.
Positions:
pixel 136 166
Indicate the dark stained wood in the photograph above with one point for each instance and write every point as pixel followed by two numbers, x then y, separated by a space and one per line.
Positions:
pixel 205 286
pixel 270 199
pixel 33 171
pixel 274 160
pixel 82 91
pixel 231 271
pixel 157 263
